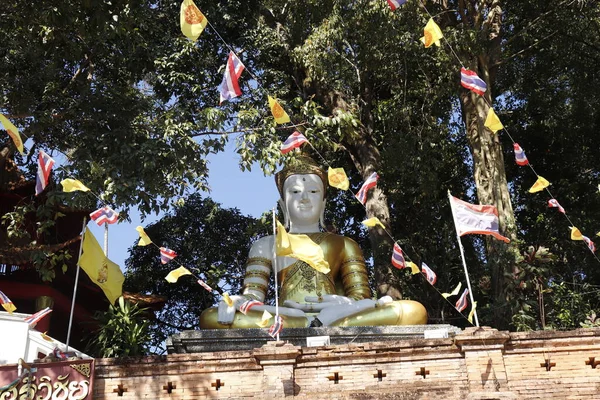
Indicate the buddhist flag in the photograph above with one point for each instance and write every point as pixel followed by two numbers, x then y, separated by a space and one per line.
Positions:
pixel 6 303
pixel 370 183
pixel 294 141
pixel 301 247
pixel 539 185
pixel 176 274
pixel 13 132
pixel 394 4
pixel 475 219
pixel 432 34
pixel 45 163
pixel 230 87
pixel 337 178
pixel 277 326
pixel 33 319
pixel 576 234
pixel 144 239
pixel 492 122
pixel 278 112
pixel 462 303
pixel 553 203
pixel 589 243
pixel 429 274
pixel 192 20
pixel 248 304
pixel 264 321
pixel 414 268
pixel 104 215
pixel 473 307
pixel 520 156
pixel 100 269
pixel 470 80
pixel 166 255
pixel 373 222
pixel 454 292
pixel 398 260
pixel 72 185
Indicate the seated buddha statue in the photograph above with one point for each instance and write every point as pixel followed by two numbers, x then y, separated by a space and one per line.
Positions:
pixel 307 297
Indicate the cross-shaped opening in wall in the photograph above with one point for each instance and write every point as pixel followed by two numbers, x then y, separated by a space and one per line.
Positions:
pixel 336 377
pixel 592 362
pixel 169 387
pixel 379 375
pixel 423 372
pixel 217 384
pixel 120 390
pixel 547 364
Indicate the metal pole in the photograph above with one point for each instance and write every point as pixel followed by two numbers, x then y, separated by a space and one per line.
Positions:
pixel 462 255
pixel 106 239
pixel 75 285
pixel 275 270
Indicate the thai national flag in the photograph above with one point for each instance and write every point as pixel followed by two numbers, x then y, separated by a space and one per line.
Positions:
pixel 462 302
pixel 6 303
pixel 370 183
pixel 204 285
pixel 395 3
pixel 520 157
pixel 589 243
pixel 166 255
pixel 398 260
pixel 33 319
pixel 470 80
pixel 104 215
pixel 295 140
pixel 553 203
pixel 230 87
pixel 478 219
pixel 248 304
pixel 45 163
pixel 276 327
pixel 429 274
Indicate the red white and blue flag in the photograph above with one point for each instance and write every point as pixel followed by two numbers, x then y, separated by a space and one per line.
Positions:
pixel 45 163
pixel 295 140
pixel 276 328
pixel 166 255
pixel 429 274
pixel 589 243
pixel 475 219
pixel 398 260
pixel 370 183
pixel 204 285
pixel 104 215
pixel 520 157
pixel 470 80
pixel 7 303
pixel 248 304
pixel 395 3
pixel 33 319
pixel 462 302
pixel 230 86
pixel 553 203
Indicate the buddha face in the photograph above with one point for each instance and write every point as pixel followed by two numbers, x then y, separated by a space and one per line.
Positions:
pixel 304 198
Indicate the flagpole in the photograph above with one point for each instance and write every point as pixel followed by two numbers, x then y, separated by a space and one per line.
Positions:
pixel 462 255
pixel 275 268
pixel 106 239
pixel 75 285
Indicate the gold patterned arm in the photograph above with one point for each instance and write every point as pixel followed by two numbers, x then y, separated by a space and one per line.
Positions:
pixel 353 271
pixel 256 279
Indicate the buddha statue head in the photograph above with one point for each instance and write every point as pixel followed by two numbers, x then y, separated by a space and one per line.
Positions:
pixel 302 186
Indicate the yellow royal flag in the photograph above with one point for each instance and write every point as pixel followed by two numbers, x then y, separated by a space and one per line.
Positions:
pixel 470 317
pixel 192 20
pixel 337 178
pixel 372 222
pixel 414 269
pixel 301 247
pixel 576 234
pixel 72 185
pixel 432 34
pixel 539 185
pixel 264 321
pixel 13 132
pixel 144 239
pixel 176 274
pixel 278 112
pixel 227 299
pixel 100 269
pixel 492 122
pixel 454 292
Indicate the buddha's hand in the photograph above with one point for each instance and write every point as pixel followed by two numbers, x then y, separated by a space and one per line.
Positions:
pixel 225 312
pixel 318 303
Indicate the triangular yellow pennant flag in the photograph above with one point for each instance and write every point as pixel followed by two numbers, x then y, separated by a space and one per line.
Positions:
pixel 13 132
pixel 176 274
pixel 576 234
pixel 598 234
pixel 492 122
pixel 227 299
pixel 100 269
pixel 539 185
pixel 337 178
pixel 470 317
pixel 278 112
pixel 264 321
pixel 372 222
pixel 414 269
pixel 144 239
pixel 432 34
pixel 192 20
pixel 454 292
pixel 301 247
pixel 72 185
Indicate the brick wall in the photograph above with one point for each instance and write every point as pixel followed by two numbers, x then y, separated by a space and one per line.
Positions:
pixel 481 364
